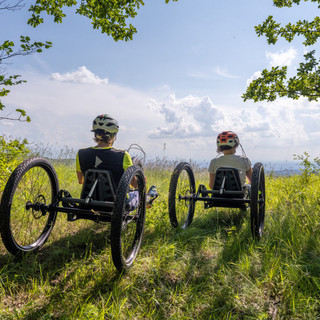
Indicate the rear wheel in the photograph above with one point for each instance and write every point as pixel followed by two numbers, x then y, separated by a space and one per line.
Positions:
pixel 127 224
pixel 181 196
pixel 257 206
pixel 25 223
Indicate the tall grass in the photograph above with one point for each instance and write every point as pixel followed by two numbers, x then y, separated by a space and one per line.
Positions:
pixel 211 270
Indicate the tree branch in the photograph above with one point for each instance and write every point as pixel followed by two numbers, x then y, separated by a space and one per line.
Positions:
pixel 17 6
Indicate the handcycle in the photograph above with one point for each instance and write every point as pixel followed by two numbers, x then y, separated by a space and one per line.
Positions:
pixel 227 192
pixel 32 199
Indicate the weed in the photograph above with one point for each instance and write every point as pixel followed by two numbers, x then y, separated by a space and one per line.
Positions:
pixel 211 270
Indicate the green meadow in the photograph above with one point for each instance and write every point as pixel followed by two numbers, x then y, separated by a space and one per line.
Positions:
pixel 212 270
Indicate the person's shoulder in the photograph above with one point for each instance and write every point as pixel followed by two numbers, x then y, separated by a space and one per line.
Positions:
pixel 245 159
pixel 118 150
pixel 215 159
pixel 84 149
pixel 219 156
pixel 242 156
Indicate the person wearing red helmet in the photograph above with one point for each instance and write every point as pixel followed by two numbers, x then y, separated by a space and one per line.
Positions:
pixel 227 143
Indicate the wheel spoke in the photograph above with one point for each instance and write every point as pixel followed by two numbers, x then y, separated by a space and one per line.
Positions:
pixel 25 229
pixel 127 227
pixel 181 191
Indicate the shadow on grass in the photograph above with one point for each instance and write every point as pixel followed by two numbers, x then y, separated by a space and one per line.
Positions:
pixel 228 226
pixel 229 232
pixel 54 256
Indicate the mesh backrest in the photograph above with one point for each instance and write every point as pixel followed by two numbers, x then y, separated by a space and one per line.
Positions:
pixel 105 188
pixel 229 177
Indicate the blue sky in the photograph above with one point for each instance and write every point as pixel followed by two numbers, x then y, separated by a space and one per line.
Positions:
pixel 173 88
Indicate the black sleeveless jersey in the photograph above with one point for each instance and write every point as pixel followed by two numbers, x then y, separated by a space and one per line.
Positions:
pixel 107 159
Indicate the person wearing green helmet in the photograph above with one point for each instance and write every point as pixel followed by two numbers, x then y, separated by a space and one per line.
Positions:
pixel 104 156
pixel 227 143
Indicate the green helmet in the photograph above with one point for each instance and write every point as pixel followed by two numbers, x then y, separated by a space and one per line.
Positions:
pixel 105 123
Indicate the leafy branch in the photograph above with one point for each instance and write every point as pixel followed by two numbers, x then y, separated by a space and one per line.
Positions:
pixel 7 51
pixel 272 84
pixel 110 16
pixel 273 30
pixel 12 7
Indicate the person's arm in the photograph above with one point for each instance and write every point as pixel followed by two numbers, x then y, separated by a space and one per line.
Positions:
pixel 249 175
pixel 80 176
pixel 211 173
pixel 249 170
pixel 127 162
pixel 211 180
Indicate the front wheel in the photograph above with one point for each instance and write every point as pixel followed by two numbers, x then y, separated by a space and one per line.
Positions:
pixel 127 223
pixel 25 225
pixel 181 196
pixel 258 201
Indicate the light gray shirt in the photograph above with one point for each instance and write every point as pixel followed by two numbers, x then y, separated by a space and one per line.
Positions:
pixel 241 163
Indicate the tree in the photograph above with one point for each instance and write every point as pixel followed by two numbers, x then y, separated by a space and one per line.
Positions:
pixel 110 16
pixel 7 51
pixel 275 83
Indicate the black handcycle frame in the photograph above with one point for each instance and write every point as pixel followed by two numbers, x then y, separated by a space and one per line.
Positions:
pixel 36 201
pixel 227 192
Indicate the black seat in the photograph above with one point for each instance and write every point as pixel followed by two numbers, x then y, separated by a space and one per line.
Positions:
pixel 227 183
pixel 98 185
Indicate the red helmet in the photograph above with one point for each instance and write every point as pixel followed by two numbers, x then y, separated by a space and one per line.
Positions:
pixel 227 138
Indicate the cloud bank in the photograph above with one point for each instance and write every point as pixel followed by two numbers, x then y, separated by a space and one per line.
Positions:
pixel 62 113
pixel 187 117
pixel 82 75
pixel 284 126
pixel 282 58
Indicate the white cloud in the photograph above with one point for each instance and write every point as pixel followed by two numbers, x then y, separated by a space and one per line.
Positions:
pixel 188 117
pixel 82 75
pixel 199 75
pixel 268 130
pixel 62 114
pixel 255 76
pixel 7 123
pixel 223 73
pixel 211 74
pixel 282 58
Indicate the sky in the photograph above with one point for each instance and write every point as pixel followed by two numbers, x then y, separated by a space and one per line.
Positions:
pixel 173 88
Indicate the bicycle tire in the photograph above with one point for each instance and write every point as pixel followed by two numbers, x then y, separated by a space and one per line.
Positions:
pixel 258 199
pixel 23 229
pixel 127 227
pixel 180 201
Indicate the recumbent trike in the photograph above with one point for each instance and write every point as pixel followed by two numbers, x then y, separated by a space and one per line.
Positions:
pixel 227 192
pixel 31 201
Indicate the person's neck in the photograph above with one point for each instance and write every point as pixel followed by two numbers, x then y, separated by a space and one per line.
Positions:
pixel 102 144
pixel 229 152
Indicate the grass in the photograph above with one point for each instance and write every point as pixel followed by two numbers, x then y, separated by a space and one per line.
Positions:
pixel 211 270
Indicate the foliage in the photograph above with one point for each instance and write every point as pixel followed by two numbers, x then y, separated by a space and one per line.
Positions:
pixel 274 83
pixel 110 16
pixel 307 166
pixel 12 152
pixel 211 270
pixel 6 52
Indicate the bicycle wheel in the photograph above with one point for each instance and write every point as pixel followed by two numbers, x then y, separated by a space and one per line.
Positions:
pixel 24 227
pixel 181 192
pixel 258 199
pixel 127 226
